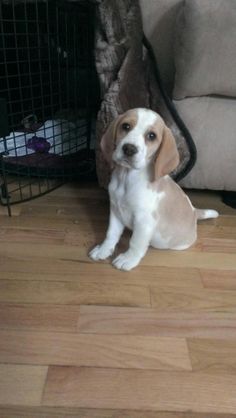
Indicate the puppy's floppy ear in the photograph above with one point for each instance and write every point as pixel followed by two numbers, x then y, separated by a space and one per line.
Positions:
pixel 108 141
pixel 167 156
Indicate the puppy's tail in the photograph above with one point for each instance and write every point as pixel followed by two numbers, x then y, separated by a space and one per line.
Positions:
pixel 206 213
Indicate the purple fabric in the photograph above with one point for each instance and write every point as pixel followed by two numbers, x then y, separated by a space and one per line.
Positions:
pixel 38 144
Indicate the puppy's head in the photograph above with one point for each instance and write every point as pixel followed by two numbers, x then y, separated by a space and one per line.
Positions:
pixel 139 137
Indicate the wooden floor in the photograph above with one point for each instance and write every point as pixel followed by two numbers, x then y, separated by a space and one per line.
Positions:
pixel 80 339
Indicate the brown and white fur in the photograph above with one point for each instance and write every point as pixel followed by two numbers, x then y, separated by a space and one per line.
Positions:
pixel 142 152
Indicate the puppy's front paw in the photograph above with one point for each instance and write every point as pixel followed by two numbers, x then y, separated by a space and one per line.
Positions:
pixel 126 261
pixel 101 252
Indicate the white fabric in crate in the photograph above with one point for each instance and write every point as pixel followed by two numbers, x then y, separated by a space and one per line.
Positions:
pixel 64 138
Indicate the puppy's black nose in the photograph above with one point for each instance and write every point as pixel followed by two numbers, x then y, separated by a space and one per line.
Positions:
pixel 129 149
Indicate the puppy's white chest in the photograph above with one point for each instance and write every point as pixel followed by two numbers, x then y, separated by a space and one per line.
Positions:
pixel 130 197
pixel 121 203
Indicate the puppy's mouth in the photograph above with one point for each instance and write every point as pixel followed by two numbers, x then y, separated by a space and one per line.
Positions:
pixel 127 162
pixel 124 162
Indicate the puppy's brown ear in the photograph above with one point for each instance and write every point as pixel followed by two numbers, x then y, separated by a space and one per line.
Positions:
pixel 167 156
pixel 108 141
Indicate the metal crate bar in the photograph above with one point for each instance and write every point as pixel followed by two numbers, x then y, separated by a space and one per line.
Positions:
pixel 46 66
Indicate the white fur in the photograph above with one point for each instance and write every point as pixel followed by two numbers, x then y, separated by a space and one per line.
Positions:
pixel 131 207
pixel 134 203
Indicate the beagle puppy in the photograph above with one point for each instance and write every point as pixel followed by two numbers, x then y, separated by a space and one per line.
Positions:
pixel 142 151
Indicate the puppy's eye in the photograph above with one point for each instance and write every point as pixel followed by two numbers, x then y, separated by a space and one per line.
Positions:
pixel 151 136
pixel 125 126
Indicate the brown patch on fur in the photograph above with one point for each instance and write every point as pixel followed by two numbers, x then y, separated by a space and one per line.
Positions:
pixel 130 118
pixel 167 157
pixel 152 146
pixel 157 128
pixel 175 206
pixel 115 133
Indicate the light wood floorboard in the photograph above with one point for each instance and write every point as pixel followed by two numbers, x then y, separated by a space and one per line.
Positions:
pixel 80 339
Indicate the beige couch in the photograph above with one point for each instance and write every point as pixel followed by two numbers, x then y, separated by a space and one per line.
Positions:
pixel 195 45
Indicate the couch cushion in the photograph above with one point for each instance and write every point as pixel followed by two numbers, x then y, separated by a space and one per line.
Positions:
pixel 212 123
pixel 159 19
pixel 205 49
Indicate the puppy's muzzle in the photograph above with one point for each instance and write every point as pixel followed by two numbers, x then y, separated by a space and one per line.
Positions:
pixel 129 150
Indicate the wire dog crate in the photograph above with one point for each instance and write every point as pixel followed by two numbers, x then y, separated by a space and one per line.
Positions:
pixel 46 108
